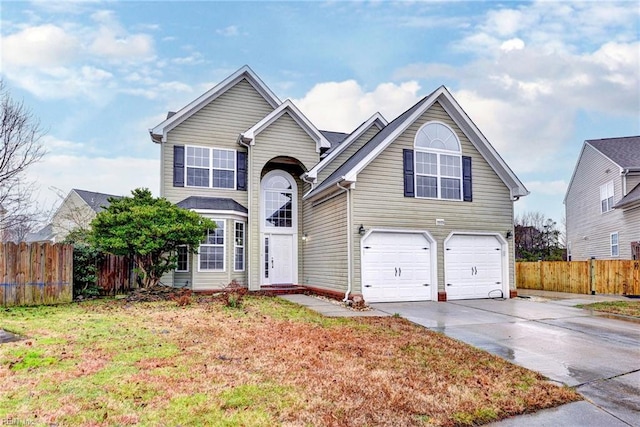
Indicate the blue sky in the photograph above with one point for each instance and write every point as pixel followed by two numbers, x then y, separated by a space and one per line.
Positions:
pixel 538 78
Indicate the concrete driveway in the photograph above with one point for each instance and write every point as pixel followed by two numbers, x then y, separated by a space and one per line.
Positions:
pixel 599 356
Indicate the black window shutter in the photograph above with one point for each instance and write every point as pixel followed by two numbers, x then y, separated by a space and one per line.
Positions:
pixel 241 167
pixel 178 165
pixel 409 190
pixel 467 193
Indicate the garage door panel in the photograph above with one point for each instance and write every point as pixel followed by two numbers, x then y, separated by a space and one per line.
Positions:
pixel 473 267
pixel 396 267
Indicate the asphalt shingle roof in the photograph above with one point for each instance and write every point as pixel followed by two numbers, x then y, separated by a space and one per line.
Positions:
pixel 334 138
pixel 96 201
pixel 212 203
pixel 624 151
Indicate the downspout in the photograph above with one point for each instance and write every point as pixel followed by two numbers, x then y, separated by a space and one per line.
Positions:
pixel 349 241
pixel 248 229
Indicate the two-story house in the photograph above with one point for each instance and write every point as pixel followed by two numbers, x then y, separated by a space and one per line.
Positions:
pixel 420 208
pixel 602 202
pixel 77 210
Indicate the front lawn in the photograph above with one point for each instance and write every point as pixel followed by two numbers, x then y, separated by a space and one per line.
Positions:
pixel 269 363
pixel 627 308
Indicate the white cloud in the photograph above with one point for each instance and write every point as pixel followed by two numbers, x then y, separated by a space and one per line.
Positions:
pixel 41 46
pixel 229 31
pixel 111 41
pixel 341 106
pixel 106 175
pixel 512 44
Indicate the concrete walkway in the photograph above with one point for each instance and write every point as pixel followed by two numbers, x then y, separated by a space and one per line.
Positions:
pixel 599 356
pixel 330 309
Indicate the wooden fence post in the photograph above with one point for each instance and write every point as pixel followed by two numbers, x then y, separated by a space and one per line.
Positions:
pixel 592 275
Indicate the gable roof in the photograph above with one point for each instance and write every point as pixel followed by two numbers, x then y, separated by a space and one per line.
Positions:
pixel 159 132
pixel 624 151
pixel 248 136
pixel 631 199
pixel 349 170
pixel 96 201
pixel 376 120
pixel 212 204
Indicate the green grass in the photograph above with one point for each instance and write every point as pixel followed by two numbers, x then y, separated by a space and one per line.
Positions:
pixel 626 308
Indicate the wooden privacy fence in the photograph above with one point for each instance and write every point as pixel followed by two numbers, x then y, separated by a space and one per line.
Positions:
pixel 621 277
pixel 116 275
pixel 36 273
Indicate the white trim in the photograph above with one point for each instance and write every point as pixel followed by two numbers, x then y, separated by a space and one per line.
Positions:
pixel 159 132
pixel 229 214
pixel 376 120
pixel 433 249
pixel 224 249
pixel 248 137
pixel 244 245
pixel 504 252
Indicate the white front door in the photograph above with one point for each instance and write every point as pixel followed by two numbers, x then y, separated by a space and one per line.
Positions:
pixel 281 259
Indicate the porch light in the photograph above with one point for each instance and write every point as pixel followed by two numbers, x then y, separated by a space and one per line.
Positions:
pixel 304 237
pixel 361 230
pixel 508 234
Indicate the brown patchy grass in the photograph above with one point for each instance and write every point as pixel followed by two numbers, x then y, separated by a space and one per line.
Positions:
pixel 269 363
pixel 626 308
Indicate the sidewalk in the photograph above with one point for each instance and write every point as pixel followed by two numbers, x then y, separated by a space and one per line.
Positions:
pixel 330 309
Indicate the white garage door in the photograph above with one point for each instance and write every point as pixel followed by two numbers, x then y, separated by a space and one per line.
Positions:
pixel 473 267
pixel 396 267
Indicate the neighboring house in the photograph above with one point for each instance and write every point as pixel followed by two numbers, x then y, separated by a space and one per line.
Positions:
pixel 416 209
pixel 603 200
pixel 76 211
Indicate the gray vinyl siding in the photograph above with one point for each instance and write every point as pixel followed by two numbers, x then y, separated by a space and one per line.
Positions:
pixel 348 152
pixel 218 124
pixel 283 138
pixel 632 181
pixel 588 229
pixel 379 202
pixel 325 251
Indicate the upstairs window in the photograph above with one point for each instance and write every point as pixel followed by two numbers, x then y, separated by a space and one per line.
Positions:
pixel 606 197
pixel 210 167
pixel 438 163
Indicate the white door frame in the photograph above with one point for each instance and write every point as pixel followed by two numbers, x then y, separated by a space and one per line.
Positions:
pixel 433 253
pixel 266 232
pixel 504 252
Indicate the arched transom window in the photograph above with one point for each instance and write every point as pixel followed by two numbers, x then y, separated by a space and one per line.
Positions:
pixel 279 200
pixel 438 158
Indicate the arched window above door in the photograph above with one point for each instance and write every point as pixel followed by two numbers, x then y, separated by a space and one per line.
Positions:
pixel 279 195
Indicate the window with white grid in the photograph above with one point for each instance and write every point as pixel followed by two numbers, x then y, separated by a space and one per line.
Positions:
pixel 210 167
pixel 438 162
pixel 211 254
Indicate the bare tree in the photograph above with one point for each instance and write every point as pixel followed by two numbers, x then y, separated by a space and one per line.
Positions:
pixel 537 237
pixel 20 147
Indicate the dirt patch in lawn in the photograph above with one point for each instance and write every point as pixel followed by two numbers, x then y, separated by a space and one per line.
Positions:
pixel 268 363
